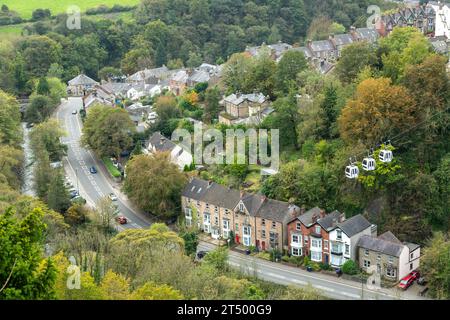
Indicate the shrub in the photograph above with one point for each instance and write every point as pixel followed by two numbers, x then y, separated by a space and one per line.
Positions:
pixel 285 258
pixel 111 168
pixel 325 266
pixel 296 260
pixel 350 267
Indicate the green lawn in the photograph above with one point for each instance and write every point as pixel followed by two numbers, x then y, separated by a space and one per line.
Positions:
pixel 15 29
pixel 111 168
pixel 26 7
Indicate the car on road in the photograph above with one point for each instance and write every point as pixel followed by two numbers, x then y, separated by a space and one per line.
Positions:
pixel 74 194
pixel 407 281
pixel 201 254
pixel 112 196
pixel 121 220
pixel 92 170
pixel 74 112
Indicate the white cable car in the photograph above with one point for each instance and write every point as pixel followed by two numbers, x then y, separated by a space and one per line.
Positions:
pixel 386 156
pixel 369 163
pixel 352 171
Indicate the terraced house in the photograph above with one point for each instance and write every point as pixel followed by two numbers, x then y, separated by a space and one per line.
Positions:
pixel 252 219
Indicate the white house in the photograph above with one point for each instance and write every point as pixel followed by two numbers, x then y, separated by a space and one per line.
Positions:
pixel 442 27
pixel 344 237
pixel 179 156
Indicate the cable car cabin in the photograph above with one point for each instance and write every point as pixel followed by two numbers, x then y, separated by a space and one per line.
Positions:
pixel 386 156
pixel 369 164
pixel 351 172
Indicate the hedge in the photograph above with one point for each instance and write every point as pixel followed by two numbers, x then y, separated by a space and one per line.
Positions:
pixel 111 168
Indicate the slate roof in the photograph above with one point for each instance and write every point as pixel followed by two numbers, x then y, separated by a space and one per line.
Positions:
pixel 369 34
pixel 257 205
pixel 143 75
pixel 322 45
pixel 440 46
pixel 342 39
pixel 116 87
pixel 389 236
pixel 212 193
pixel 307 217
pixel 161 143
pixel 330 220
pixel 305 51
pixel 354 225
pixel 82 80
pixel 379 245
pixel 181 76
pixel 199 76
pixel 237 99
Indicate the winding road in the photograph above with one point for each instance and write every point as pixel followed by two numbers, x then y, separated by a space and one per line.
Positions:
pixel 93 187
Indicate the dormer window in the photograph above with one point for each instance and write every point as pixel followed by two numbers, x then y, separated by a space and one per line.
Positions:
pixel 338 234
pixel 241 207
pixel 317 229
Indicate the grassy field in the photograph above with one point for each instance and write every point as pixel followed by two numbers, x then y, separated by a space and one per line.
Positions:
pixel 26 7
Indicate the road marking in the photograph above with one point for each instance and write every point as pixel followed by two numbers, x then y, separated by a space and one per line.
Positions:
pixel 276 275
pixel 304 283
pixel 351 295
pixel 323 288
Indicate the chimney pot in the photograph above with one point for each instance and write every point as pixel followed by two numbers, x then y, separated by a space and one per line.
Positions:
pixel 322 213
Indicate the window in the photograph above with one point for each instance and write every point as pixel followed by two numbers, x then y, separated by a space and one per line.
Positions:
pixel 263 234
pixel 347 249
pixel 273 237
pixel 306 239
pixel 378 257
pixel 391 272
pixel 216 209
pixel 237 227
pixel 295 238
pixel 325 244
pixel 274 224
pixel 338 234
pixel 316 256
pixel 296 251
pixel 241 207
pixel 198 203
pixel 391 260
pixel 317 229
pixel 366 264
pixel 316 243
pixel 188 212
pixel 226 211
pixel 366 252
pixel 298 226
pixel 206 218
pixel 207 206
pixel 216 221
pixel 263 222
pixel 410 266
pixel 226 225
pixel 411 256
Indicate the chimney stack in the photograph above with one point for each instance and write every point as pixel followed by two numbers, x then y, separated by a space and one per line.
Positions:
pixel 322 213
pixel 315 217
pixel 242 193
pixel 342 217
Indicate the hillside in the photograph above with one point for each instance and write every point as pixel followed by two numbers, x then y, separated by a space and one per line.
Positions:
pixel 25 8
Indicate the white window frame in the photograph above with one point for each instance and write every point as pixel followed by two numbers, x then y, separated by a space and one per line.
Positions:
pixel 316 243
pixel 338 234
pixel 366 263
pixel 325 244
pixel 316 256
pixel 318 229
pixel 298 226
pixel 296 251
pixel 298 239
pixel 347 249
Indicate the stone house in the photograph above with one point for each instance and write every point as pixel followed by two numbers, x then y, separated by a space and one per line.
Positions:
pixel 391 258
pixel 81 85
pixel 241 106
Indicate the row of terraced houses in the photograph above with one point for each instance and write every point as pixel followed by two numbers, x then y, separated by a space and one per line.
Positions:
pixel 254 220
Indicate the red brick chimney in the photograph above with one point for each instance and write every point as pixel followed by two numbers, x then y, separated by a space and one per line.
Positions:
pixel 322 213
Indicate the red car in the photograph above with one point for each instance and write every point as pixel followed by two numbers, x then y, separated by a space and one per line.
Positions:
pixel 122 220
pixel 407 281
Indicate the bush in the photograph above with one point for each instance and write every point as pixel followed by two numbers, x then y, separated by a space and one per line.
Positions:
pixel 325 266
pixel 350 267
pixel 111 168
pixel 285 258
pixel 298 261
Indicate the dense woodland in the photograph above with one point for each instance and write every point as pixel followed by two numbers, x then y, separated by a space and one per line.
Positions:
pixel 395 90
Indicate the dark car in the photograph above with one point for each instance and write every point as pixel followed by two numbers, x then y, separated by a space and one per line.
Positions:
pixel 421 281
pixel 201 254
pixel 122 220
pixel 92 170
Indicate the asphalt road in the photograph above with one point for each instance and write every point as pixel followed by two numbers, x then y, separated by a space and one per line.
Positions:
pixel 95 186
pixel 92 187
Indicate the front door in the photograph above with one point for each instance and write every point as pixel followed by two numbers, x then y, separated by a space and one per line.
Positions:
pixel 257 244
pixel 326 259
pixel 237 239
pixel 263 245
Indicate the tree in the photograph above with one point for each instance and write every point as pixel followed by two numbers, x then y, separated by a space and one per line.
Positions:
pixel 76 215
pixel 39 53
pixel 55 71
pixel 435 265
pixel 329 110
pixel 47 137
pixel 40 14
pixel 43 87
pixel 354 58
pixel 10 132
pixel 379 110
pixel 212 108
pixel 155 184
pixel 58 197
pixel 106 213
pixel 108 131
pixel 194 60
pixel 289 66
pixel 152 291
pixel 218 259
pixel 190 242
pixel 24 274
pixel 39 109
pixel 10 164
pixel 115 287
pixel 350 267
pixel 108 72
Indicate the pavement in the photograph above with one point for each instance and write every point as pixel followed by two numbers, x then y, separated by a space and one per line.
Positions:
pixel 93 187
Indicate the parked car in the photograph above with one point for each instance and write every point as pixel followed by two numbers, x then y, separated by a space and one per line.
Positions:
pixel 74 112
pixel 201 254
pixel 122 220
pixel 112 196
pixel 92 170
pixel 421 281
pixel 74 194
pixel 407 281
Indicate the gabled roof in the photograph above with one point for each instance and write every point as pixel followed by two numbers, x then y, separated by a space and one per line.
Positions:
pixel 143 75
pixel 212 193
pixel 369 34
pixel 307 217
pixel 305 51
pixel 342 39
pixel 330 220
pixel 354 225
pixel 181 76
pixel 82 80
pixel 237 99
pixel 322 45
pixel 199 76
pixel 161 143
pixel 389 236
pixel 382 246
